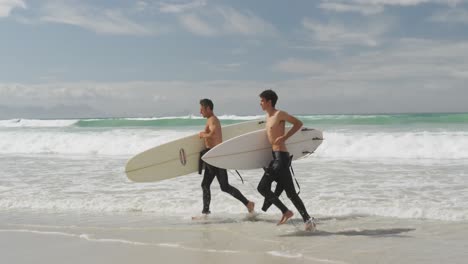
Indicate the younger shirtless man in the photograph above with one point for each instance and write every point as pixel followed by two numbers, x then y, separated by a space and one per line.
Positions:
pixel 278 170
pixel 213 136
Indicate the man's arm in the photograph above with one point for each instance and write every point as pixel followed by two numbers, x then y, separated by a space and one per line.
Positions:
pixel 297 124
pixel 212 126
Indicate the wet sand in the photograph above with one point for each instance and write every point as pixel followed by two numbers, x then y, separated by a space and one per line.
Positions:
pixel 75 238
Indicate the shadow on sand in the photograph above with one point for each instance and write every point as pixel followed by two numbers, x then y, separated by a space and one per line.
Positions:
pixel 256 217
pixel 393 232
pixel 385 232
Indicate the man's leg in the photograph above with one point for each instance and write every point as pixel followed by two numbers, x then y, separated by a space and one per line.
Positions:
pixel 222 176
pixel 264 187
pixel 278 190
pixel 286 181
pixel 208 177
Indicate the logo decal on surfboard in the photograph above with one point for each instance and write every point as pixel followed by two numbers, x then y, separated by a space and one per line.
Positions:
pixel 182 157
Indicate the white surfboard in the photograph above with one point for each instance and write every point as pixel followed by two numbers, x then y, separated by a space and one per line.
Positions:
pixel 178 157
pixel 253 150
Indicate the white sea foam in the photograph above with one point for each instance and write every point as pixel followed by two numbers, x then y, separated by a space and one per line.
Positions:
pixel 112 240
pixel 51 233
pixel 403 191
pixel 31 123
pixel 222 117
pixel 354 172
pixel 290 255
pixel 400 145
pixel 284 254
pixel 37 123
pixel 89 142
pixel 338 145
pixel 87 237
pixel 236 117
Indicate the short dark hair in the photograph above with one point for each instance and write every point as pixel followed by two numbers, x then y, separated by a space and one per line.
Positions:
pixel 270 95
pixel 207 103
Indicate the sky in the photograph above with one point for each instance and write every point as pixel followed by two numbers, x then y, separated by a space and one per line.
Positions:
pixel 159 58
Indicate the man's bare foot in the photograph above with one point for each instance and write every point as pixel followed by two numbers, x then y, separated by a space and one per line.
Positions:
pixel 285 217
pixel 203 216
pixel 310 225
pixel 200 217
pixel 250 206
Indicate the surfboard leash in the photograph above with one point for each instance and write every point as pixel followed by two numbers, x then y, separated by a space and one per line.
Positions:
pixel 294 175
pixel 240 176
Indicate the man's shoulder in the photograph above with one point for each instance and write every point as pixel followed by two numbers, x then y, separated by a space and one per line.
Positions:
pixel 282 114
pixel 213 119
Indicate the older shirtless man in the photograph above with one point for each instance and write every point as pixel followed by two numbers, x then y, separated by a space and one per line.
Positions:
pixel 278 170
pixel 212 136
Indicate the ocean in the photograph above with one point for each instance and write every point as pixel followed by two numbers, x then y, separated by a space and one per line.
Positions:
pixel 68 174
pixel 403 166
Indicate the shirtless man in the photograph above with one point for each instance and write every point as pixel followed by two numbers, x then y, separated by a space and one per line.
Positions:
pixel 278 170
pixel 212 136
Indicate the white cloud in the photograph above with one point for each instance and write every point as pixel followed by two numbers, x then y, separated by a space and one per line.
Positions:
pixel 370 7
pixel 293 65
pixel 224 21
pixel 159 98
pixel 195 25
pixel 141 5
pixel 110 21
pixel 165 7
pixel 245 24
pixel 409 59
pixel 130 98
pixel 6 6
pixel 408 2
pixel 367 83
pixel 339 34
pixel 224 67
pixel 451 16
pixel 347 7
pixel 409 76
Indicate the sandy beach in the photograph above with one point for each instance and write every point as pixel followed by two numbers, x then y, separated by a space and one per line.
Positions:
pixel 144 238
